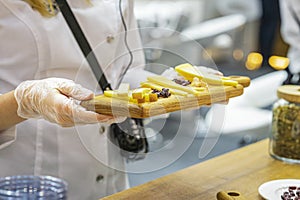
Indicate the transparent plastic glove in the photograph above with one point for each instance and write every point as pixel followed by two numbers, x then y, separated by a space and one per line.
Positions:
pixel 56 100
pixel 170 73
pixel 208 70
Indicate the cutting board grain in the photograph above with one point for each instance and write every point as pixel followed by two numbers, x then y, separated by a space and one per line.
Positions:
pixel 215 94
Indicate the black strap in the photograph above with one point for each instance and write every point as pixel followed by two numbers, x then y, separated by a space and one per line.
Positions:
pixel 133 147
pixel 83 44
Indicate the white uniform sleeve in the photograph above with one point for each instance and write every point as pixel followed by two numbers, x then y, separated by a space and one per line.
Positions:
pixel 290 31
pixel 289 27
pixel 7 137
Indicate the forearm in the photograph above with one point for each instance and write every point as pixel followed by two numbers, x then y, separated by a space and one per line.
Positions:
pixel 8 111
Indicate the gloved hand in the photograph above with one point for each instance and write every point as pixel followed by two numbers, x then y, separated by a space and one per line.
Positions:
pixel 56 100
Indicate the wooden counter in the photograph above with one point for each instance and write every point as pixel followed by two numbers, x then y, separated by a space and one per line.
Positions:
pixel 243 170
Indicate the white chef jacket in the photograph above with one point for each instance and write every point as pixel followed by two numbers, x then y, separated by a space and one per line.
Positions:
pixel 35 47
pixel 291 32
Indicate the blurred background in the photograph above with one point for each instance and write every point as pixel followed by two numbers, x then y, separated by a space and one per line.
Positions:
pixel 237 37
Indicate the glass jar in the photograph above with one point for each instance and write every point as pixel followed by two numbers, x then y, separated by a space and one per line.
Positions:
pixel 285 135
pixel 32 187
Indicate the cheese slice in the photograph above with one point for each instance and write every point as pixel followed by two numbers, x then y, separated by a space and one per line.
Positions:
pixel 148 84
pixel 188 71
pixel 116 94
pixel 139 93
pixel 163 81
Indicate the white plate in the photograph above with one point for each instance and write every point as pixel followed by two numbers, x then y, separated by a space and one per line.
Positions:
pixel 273 190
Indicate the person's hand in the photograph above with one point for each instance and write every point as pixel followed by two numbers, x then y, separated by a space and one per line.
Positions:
pixel 56 100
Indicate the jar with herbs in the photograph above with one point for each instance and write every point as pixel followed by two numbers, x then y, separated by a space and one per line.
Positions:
pixel 285 135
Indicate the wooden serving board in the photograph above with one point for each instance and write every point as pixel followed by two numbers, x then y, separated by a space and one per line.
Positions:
pixel 215 94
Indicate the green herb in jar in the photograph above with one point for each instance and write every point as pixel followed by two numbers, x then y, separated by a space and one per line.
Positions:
pixel 286 131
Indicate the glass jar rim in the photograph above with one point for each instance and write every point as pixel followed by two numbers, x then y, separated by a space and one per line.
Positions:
pixel 40 185
pixel 289 93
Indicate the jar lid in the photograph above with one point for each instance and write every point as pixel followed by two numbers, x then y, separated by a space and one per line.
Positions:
pixel 290 93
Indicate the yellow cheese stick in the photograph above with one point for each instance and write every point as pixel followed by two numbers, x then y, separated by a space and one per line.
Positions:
pixel 115 94
pixel 147 96
pixel 110 93
pixel 200 89
pixel 160 80
pixel 159 87
pixel 188 71
pixel 229 82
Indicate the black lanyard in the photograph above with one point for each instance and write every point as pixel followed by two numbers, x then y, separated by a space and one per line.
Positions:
pixel 83 44
pixel 133 143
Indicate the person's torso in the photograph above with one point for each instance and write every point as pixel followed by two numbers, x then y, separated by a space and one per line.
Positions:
pixel 34 47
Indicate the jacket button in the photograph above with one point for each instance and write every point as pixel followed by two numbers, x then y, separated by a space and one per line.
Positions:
pixel 110 39
pixel 99 178
pixel 102 129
